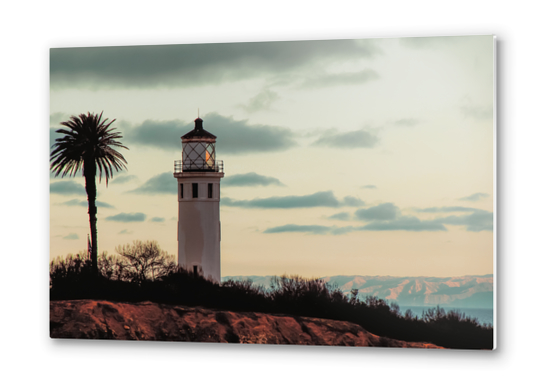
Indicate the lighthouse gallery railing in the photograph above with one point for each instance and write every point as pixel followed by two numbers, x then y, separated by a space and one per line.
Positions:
pixel 199 166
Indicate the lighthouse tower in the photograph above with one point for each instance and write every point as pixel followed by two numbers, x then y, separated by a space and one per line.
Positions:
pixel 198 177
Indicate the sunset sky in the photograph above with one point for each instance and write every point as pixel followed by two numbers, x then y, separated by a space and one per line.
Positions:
pixel 352 157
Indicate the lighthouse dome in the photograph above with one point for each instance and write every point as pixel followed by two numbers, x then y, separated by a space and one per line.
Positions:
pixel 199 150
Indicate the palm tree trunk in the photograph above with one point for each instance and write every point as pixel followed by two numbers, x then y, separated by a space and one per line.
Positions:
pixel 90 186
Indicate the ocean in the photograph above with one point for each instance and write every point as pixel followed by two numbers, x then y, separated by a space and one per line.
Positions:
pixel 483 315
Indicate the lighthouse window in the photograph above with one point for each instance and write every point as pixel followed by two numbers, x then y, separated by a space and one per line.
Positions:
pixel 210 191
pixel 194 190
pixel 182 191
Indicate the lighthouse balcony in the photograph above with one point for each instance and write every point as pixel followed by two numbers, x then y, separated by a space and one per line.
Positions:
pixel 199 165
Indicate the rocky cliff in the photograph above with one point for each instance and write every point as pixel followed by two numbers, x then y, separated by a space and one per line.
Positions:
pixel 88 319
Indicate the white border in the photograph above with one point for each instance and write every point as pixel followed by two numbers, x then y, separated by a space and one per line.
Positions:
pixel 31 28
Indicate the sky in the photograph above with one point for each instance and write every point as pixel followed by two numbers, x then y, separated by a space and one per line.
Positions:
pixel 341 157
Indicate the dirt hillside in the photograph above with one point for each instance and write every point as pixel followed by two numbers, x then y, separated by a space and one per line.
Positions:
pixel 87 319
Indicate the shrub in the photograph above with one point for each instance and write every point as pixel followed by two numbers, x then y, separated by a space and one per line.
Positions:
pixel 142 271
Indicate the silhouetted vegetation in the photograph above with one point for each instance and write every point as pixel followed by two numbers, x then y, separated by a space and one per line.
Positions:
pixel 124 279
pixel 88 145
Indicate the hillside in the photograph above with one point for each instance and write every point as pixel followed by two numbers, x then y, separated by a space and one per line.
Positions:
pixel 458 292
pixel 89 319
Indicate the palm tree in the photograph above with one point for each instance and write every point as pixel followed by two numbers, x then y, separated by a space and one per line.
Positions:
pixel 87 145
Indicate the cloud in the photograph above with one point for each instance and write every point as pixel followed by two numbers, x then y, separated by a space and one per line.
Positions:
pixel 406 122
pixel 318 229
pixel 351 201
pixel 250 180
pixel 233 136
pixel 430 42
pixel 352 139
pixel 369 186
pixel 127 217
pixel 187 65
pixel 475 222
pixel 71 236
pixel 318 199
pixel 404 223
pixel 387 217
pixel 67 188
pixel 261 102
pixel 477 112
pixel 163 183
pixel 158 219
pixel 386 211
pixel 340 216
pixel 123 179
pixel 475 197
pixel 334 79
pixel 447 209
pixel 84 203
pixel 53 135
pixel 125 232
pixel 57 117
pixel 314 229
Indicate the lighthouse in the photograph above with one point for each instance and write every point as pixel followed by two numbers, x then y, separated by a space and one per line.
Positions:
pixel 198 177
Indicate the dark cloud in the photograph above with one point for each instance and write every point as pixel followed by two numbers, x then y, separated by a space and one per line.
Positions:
pixel 475 222
pixel 233 136
pixel 369 186
pixel 249 180
pixel 67 188
pixel 447 209
pixel 406 122
pixel 84 203
pixel 123 179
pixel 261 102
pixel 193 64
pixel 158 134
pixel 158 219
pixel 163 183
pixel 127 217
pixel 352 78
pixel 353 139
pixel 475 197
pixel 318 199
pixel 71 236
pixel 386 211
pixel 341 216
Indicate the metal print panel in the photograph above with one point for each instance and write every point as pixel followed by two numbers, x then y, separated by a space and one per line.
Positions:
pixel 335 193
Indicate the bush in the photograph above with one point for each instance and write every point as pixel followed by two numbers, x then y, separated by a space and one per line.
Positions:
pixel 142 271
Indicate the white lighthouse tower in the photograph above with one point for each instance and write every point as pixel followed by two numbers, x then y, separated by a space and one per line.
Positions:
pixel 198 177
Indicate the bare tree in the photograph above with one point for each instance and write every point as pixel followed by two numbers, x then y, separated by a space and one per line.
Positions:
pixel 144 261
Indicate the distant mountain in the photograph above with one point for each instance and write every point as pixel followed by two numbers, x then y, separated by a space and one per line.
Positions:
pixel 456 292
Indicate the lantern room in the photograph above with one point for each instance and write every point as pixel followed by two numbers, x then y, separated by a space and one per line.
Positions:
pixel 199 150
